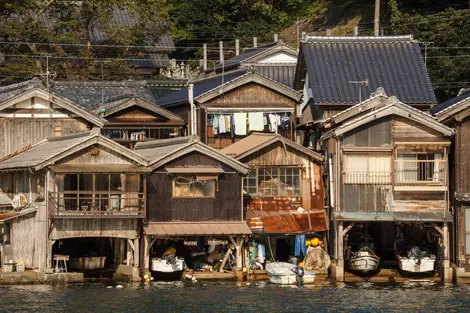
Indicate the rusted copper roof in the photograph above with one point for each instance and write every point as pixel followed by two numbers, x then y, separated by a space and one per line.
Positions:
pixel 286 222
pixel 197 228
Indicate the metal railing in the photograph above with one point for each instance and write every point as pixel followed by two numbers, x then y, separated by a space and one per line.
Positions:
pixel 367 177
pixel 420 173
pixel 97 203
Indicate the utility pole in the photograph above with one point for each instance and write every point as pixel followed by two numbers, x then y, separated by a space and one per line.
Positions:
pixel 221 51
pixel 298 33
pixel 204 56
pixel 377 18
pixel 237 46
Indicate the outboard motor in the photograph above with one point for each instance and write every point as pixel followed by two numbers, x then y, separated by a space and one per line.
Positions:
pixel 299 275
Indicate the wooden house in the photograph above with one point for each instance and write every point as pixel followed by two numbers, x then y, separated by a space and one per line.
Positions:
pixel 283 192
pixel 193 191
pixel 84 195
pixel 275 60
pixel 455 113
pixel 388 178
pixel 245 101
pixel 29 113
pixel 128 108
pixel 336 73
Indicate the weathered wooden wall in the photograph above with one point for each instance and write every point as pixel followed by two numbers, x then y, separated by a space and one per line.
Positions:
pixel 100 227
pixel 252 95
pixel 88 156
pixel 381 197
pixel 22 243
pixel 311 180
pixel 16 133
pixel 163 207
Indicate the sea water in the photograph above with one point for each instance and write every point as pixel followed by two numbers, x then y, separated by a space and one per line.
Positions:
pixel 235 297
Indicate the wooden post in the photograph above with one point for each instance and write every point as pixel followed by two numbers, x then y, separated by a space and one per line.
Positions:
pixel 340 261
pixel 128 253
pixel 146 250
pixel 238 243
pixel 204 48
pixel 136 252
pixel 237 46
pixel 377 18
pixel 229 252
pixel 446 241
pixel 255 42
pixel 221 52
pixel 276 38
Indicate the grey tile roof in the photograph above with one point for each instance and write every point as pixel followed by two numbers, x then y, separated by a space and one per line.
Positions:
pixel 43 150
pixel 449 103
pixel 91 94
pixel 10 91
pixel 200 86
pixel 394 63
pixel 246 54
pixel 282 73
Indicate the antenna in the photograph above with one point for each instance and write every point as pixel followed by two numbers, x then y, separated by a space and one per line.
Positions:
pixel 360 84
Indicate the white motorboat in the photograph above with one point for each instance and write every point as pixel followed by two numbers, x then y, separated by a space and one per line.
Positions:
pixel 417 260
pixel 283 273
pixel 364 260
pixel 162 269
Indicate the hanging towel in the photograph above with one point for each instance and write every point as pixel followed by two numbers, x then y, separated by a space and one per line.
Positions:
pixel 285 121
pixel 255 121
pixel 215 124
pixel 227 123
pixel 232 126
pixel 221 124
pixel 273 122
pixel 240 124
pixel 300 245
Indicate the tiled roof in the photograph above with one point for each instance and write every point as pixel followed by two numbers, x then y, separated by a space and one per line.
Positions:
pixel 282 73
pixel 43 150
pixel 9 91
pixel 449 103
pixel 91 94
pixel 248 53
pixel 394 63
pixel 201 86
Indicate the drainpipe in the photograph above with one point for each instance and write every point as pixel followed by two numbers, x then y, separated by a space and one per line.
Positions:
pixel 192 109
pixel 330 175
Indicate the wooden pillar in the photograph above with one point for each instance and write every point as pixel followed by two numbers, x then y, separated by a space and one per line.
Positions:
pixel 146 257
pixel 340 261
pixel 136 252
pixel 129 252
pixel 238 243
pixel 447 271
pixel 50 243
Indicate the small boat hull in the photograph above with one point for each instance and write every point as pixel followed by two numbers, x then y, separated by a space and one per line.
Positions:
pixel 282 273
pixel 162 270
pixel 364 262
pixel 425 265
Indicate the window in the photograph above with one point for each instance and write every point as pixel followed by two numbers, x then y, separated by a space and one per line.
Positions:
pixel 273 182
pixel 362 168
pixel 420 168
pixel 194 186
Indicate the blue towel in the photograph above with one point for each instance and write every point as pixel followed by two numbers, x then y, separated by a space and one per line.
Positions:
pixel 300 245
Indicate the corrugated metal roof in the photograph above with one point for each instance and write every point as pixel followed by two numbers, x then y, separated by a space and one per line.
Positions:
pixel 395 63
pixel 197 228
pixel 282 222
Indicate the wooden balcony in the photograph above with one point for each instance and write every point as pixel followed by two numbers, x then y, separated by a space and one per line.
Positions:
pixel 408 175
pixel 95 204
pixel 430 175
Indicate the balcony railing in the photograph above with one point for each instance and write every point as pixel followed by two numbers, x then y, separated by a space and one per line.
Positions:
pixel 420 173
pixel 97 204
pixel 367 177
pixel 407 173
